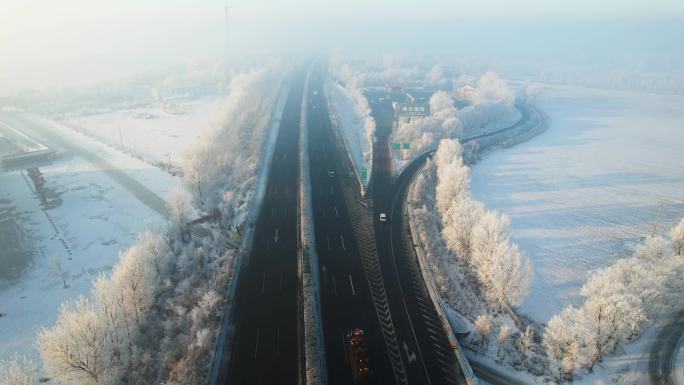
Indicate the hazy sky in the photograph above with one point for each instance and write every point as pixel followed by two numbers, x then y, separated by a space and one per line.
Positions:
pixel 45 43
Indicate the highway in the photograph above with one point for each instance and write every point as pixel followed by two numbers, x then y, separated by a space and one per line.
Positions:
pixel 359 278
pixel 422 340
pixel 265 347
pixel 345 291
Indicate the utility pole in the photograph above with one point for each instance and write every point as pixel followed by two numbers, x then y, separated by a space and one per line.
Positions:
pixel 120 137
pixel 657 221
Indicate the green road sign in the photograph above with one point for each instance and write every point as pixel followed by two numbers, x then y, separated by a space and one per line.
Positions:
pixel 407 146
pixel 396 146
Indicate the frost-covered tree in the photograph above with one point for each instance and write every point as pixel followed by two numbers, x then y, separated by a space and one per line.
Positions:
pixel 654 248
pixel 509 274
pixel 74 350
pixel 619 301
pixel 440 101
pixel 483 326
pixel 607 322
pixel 526 340
pixel 18 371
pixel 136 281
pixel 489 239
pixel 156 251
pixel 459 222
pixel 437 77
pixel 179 206
pixel 453 177
pixel 491 88
pixel 563 338
pixel 503 338
pixel 677 234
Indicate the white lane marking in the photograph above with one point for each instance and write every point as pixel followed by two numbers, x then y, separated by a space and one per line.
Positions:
pixel 263 282
pixel 343 246
pixel 275 237
pixel 352 285
pixel 336 213
pixel 331 190
pixel 256 344
pixel 334 285
pixel 327 237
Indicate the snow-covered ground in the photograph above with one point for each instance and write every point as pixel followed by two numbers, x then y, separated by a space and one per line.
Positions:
pixel 93 218
pixel 158 181
pixel 83 235
pixel 155 133
pixel 586 191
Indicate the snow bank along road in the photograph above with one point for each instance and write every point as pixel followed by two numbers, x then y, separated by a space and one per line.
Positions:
pixel 664 350
pixel 33 128
pixel 266 343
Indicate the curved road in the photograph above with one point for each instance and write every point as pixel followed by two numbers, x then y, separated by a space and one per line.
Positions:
pixel 664 351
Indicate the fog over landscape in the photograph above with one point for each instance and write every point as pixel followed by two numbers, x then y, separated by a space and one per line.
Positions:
pixel 387 192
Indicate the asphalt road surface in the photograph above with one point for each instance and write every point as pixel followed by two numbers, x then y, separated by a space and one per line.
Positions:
pixel 346 299
pixel 265 348
pixel 664 350
pixel 422 340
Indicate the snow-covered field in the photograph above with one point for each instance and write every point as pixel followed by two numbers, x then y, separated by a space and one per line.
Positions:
pixel 154 133
pixel 83 235
pixel 586 191
pixel 153 178
pixel 93 219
